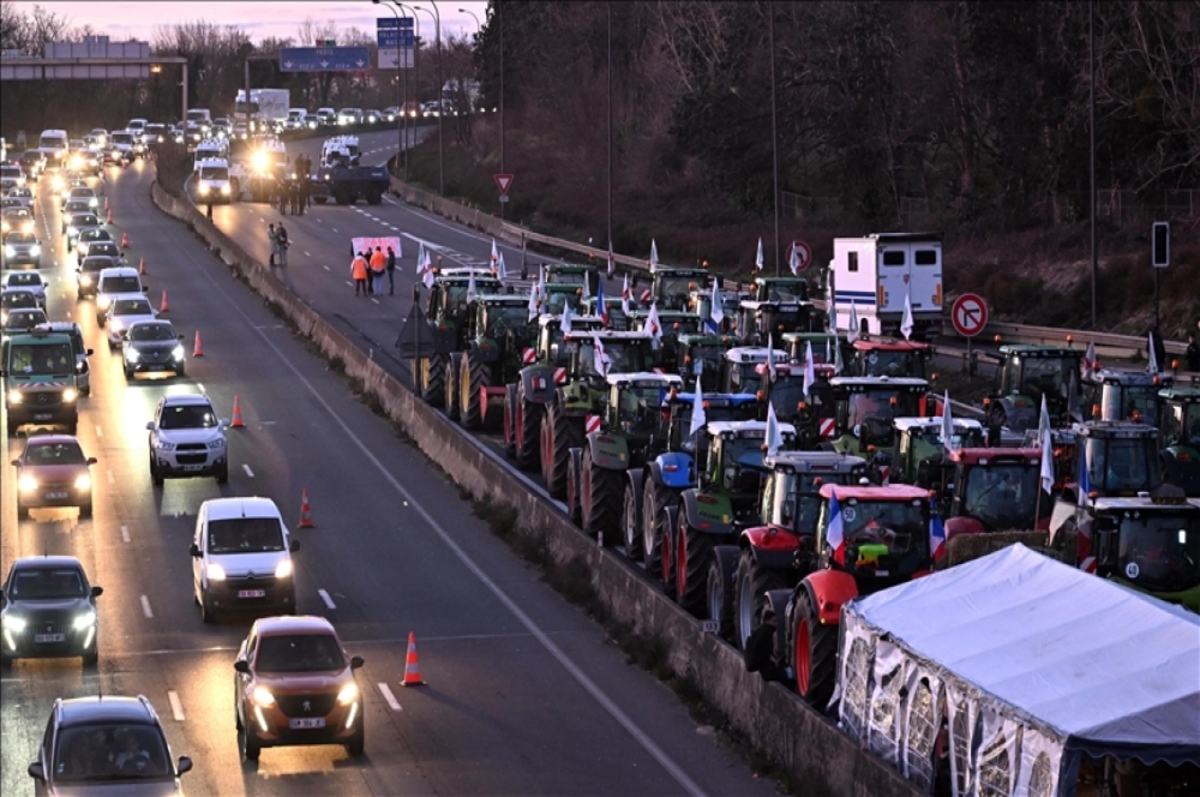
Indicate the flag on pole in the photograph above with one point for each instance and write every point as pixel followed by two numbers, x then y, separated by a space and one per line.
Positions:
pixel 810 373
pixel 698 417
pixel 626 297
pixel 947 424
pixel 774 434
pixel 852 333
pixel 425 265
pixel 1089 364
pixel 758 258
pixel 838 365
pixel 1047 463
pixel 1152 359
pixel 495 256
pixel 471 294
pixel 716 311
pixel 534 295
pixel 600 357
pixel 612 261
pixel 937 533
pixel 566 319
pixel 587 285
pixel 1085 478
pixel 501 268
pixel 1043 419
pixel 828 353
pixel 835 535
pixel 794 262
pixel 906 325
pixel 771 356
pixel 601 305
pixel 653 254
pixel 654 326
pixel 420 258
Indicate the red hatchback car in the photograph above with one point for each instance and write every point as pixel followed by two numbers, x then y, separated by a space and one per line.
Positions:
pixel 53 471
pixel 295 685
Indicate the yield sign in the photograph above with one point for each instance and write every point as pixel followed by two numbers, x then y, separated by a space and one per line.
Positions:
pixel 503 182
pixel 969 315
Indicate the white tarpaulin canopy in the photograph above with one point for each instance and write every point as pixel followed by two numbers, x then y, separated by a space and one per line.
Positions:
pixel 1030 658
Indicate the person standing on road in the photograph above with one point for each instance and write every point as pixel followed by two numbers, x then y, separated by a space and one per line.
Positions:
pixel 391 271
pixel 281 235
pixel 378 266
pixel 358 272
pixel 273 242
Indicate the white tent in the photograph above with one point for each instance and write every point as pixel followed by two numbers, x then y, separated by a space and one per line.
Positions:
pixel 1033 664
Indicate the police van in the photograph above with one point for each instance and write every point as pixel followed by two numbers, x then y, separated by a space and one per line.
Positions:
pixel 879 274
pixel 340 151
pixel 212 181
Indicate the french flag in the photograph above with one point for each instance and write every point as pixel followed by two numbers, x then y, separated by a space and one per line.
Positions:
pixel 937 534
pixel 835 537
pixel 601 307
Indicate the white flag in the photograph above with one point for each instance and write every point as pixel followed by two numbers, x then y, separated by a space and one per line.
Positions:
pixel 794 262
pixel 947 424
pixel 698 418
pixel 717 312
pixel 774 434
pixel 654 326
pixel 420 257
pixel 426 265
pixel 587 286
pixel 653 254
pixel 852 333
pixel 1152 359
pixel 471 294
pixel 566 319
pixel 534 296
pixel 810 373
pixel 1089 364
pixel 838 365
pixel 828 353
pixel 495 256
pixel 501 268
pixel 771 356
pixel 906 325
pixel 758 258
pixel 1047 463
pixel 626 296
pixel 1043 419
pixel 612 262
pixel 600 358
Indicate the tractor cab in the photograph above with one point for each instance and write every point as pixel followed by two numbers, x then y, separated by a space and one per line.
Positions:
pixel 780 289
pixel 917 455
pixel 825 347
pixel 499 316
pixel 1149 543
pixel 804 410
pixel 718 407
pixel 593 355
pixel 741 364
pixel 890 358
pixel 700 302
pixel 1120 457
pixel 549 346
pixel 671 287
pixel 757 321
pixel 631 417
pixel 734 464
pixel 673 324
pixel 994 489
pixel 1128 395
pixel 576 274
pixel 698 356
pixel 556 296
pixel 866 407
pixel 617 320
pixel 448 305
pixel 1026 374
pixel 1179 422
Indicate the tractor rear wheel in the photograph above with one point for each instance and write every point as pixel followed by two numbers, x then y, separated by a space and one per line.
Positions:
pixel 631 522
pixel 528 423
pixel 572 497
pixel 721 569
pixel 814 652
pixel 693 550
pixel 473 375
pixel 600 491
pixel 416 375
pixel 559 434
pixel 655 498
pixel 750 588
pixel 510 421
pixel 450 387
pixel 433 379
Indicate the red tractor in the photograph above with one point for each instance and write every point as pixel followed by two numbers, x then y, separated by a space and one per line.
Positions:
pixel 995 489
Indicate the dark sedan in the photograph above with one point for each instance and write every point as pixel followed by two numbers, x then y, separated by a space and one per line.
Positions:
pixel 49 611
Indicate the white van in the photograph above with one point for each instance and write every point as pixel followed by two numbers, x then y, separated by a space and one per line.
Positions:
pixel 210 149
pixel 297 119
pixel 53 144
pixel 212 181
pixel 112 282
pixel 242 558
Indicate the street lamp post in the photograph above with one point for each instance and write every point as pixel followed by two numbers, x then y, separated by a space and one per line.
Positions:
pixel 774 139
pixel 410 134
pixel 478 26
pixel 437 21
pixel 610 132
pixel 399 122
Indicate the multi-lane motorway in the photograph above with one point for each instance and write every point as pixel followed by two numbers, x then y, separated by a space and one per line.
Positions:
pixel 524 693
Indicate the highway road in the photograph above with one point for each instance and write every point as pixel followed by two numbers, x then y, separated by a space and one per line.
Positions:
pixel 525 694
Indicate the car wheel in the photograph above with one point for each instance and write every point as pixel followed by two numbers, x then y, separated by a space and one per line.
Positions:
pixel 355 746
pixel 247 746
pixel 155 475
pixel 181 372
pixel 92 660
pixel 223 475
pixel 207 614
pixel 85 511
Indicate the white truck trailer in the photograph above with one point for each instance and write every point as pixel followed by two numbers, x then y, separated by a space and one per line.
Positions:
pixel 268 107
pixel 878 272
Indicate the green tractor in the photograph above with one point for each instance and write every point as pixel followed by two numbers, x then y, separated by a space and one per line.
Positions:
pixel 1026 374
pixel 576 401
pixel 739 372
pixel 780 289
pixel 674 325
pixel 699 356
pixel 575 274
pixel 499 331
pixel 757 321
pixel 917 455
pixel 672 287
pixel 544 368
pixel 823 343
pixel 556 296
pixel 1179 422
pixel 448 311
pixel 866 407
pixel 715 511
pixel 627 438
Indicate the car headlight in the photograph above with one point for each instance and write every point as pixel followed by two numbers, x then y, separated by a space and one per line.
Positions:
pixel 103 302
pixel 85 620
pixel 178 353
pixel 216 444
pixel 263 697
pixel 283 569
pixel 348 694
pixel 70 394
pixel 215 572
pixel 84 279
pixel 163 445
pixel 132 355
pixel 35 250
pixel 225 189
pixel 12 623
pixel 203 188
pixel 15 397
pixel 9 251
pixel 93 202
pixel 83 482
pixel 27 483
pixel 72 231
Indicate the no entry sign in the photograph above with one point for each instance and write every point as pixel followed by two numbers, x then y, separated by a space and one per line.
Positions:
pixel 969 315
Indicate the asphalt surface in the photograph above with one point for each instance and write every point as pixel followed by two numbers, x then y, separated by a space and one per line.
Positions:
pixel 524 694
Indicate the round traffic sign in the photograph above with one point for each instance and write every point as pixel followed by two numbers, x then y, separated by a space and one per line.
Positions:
pixel 969 315
pixel 802 254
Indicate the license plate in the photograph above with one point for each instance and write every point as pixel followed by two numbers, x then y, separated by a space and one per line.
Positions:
pixel 52 638
pixel 192 467
pixel 54 496
pixel 307 722
pixel 42 416
pixel 252 593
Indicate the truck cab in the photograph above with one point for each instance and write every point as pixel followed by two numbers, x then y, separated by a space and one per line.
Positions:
pixel 39 368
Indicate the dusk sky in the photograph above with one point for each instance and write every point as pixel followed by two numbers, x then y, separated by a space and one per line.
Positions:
pixel 122 21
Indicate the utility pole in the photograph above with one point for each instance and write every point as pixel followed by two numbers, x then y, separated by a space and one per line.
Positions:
pixel 774 135
pixel 610 130
pixel 1092 148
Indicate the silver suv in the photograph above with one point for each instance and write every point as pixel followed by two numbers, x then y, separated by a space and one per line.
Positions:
pixel 187 439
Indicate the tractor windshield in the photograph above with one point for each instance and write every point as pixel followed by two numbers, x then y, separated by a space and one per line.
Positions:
pixel 638 408
pixel 788 392
pixel 556 300
pixel 893 363
pixel 566 276
pixel 741 459
pixel 1123 465
pixel 1181 424
pixel 1056 378
pixel 1004 497
pixel 1127 402
pixel 802 506
pixel 890 539
pixel 672 292
pixel 871 412
pixel 1160 551
pixel 625 356
pixel 504 317
pixel 786 291
pixel 782 318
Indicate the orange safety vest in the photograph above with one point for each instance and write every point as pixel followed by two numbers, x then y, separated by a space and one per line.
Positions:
pixel 378 261
pixel 358 268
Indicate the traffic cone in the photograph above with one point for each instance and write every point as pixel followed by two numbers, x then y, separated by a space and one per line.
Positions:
pixel 237 413
pixel 165 304
pixel 305 512
pixel 197 349
pixel 142 267
pixel 412 670
pixel 109 213
pixel 124 240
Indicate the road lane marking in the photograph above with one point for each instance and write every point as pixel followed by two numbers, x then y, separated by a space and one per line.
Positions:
pixel 176 705
pixel 249 472
pixel 389 697
pixel 374 300
pixel 565 661
pixel 325 267
pixel 306 254
pixel 111 479
pixel 99 432
pixel 125 534
pixel 146 608
pixel 328 600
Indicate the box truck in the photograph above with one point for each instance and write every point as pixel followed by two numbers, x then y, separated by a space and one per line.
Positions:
pixel 878 272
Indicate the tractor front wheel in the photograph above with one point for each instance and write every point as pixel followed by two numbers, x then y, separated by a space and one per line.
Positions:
pixel 722 567
pixel 814 652
pixel 599 493
pixel 693 550
pixel 750 588
pixel 473 375
pixel 559 434
pixel 433 379
pixel 655 498
pixel 450 388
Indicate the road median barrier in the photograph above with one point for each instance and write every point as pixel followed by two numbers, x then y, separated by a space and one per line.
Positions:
pixel 772 720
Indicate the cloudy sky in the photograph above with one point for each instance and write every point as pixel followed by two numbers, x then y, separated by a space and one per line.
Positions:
pixel 122 21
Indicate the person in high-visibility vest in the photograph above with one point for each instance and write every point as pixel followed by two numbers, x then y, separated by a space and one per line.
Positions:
pixel 358 272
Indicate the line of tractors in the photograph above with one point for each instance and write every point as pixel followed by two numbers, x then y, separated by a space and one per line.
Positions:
pixel 817 469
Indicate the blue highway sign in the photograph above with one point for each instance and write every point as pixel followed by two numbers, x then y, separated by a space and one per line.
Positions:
pixel 394 32
pixel 324 59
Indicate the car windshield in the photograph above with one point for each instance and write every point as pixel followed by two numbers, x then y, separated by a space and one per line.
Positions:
pixel 299 653
pixel 132 307
pixel 1004 497
pixel 20 238
pixel 214 173
pixel 1160 551
pixel 103 248
pixel 25 279
pixel 152 332
pixel 46 583
pixel 97 234
pixel 25 318
pixel 54 454
pixel 107 752
pixel 122 138
pixel 893 363
pixel 45 359
pixel 245 535
pixel 82 193
pixel 188 416
pixel 128 284
pixel 84 220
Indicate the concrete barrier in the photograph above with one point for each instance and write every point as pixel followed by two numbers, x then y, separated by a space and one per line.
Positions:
pixel 774 721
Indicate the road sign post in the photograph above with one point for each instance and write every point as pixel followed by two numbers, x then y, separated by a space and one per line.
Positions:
pixel 503 182
pixel 969 314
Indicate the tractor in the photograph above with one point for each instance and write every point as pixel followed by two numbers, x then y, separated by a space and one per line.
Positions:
pixel 449 311
pixel 650 490
pixel 1179 421
pixel 917 452
pixel 765 558
pixel 740 369
pixel 575 274
pixel 626 440
pixel 994 489
pixel 1121 458
pixel 671 287
pixel 868 538
pixel 779 289
pixel 759 320
pixel 558 295
pixel 866 407
pixel 714 511
pixel 890 358
pixel 576 402
pixel 1125 395
pixel 1026 374
pixel 525 398
pixel 1148 542
pixel 618 321
pixel 822 343
pixel 698 356
pixel 812 414
pixel 499 331
pixel 700 305
pixel 673 324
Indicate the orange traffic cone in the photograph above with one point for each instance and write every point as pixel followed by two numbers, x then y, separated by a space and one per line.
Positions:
pixel 109 214
pixel 305 512
pixel 124 240
pixel 237 413
pixel 197 349
pixel 412 670
pixel 142 267
pixel 165 304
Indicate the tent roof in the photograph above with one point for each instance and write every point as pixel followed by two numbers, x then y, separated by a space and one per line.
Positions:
pixel 1108 668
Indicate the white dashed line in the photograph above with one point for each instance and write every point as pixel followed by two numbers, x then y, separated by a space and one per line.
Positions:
pixel 111 479
pixel 374 300
pixel 146 608
pixel 328 600
pixel 125 534
pixel 249 472
pixel 325 267
pixel 99 432
pixel 306 254
pixel 386 691
pixel 176 704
